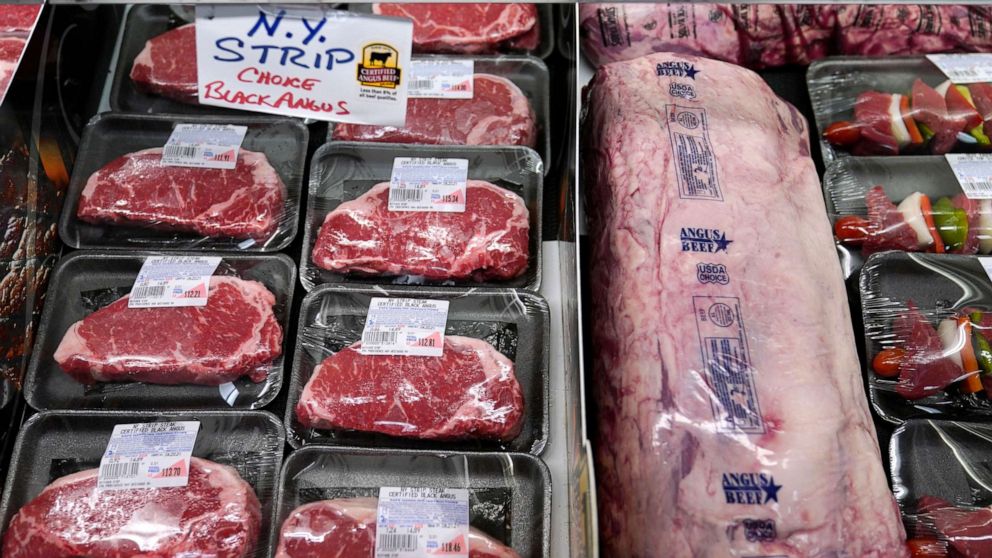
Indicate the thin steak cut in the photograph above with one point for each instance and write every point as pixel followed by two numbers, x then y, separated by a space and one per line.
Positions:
pixel 469 392
pixel 488 241
pixel 217 514
pixel 235 334
pixel 346 527
pixel 732 416
pixel 477 28
pixel 498 114
pixel 167 65
pixel 138 190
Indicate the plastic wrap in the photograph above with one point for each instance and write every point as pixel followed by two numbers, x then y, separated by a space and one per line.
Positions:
pixel 509 107
pixel 485 29
pixel 716 405
pixel 901 29
pixel 896 106
pixel 253 207
pixel 489 391
pixel 22 294
pixel 509 497
pixel 459 248
pixel 942 483
pixel 134 366
pixel 927 328
pixel 886 203
pixel 60 451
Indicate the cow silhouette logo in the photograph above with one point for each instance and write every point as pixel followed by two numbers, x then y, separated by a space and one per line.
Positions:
pixel 379 66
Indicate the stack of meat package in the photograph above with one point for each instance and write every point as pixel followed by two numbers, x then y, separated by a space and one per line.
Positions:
pixel 769 35
pixel 174 320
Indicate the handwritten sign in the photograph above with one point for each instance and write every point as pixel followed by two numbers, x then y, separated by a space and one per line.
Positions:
pixel 304 61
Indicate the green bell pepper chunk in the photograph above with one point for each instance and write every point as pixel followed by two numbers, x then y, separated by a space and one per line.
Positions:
pixel 951 223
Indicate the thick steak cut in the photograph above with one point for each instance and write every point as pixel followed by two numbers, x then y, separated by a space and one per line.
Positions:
pixel 497 114
pixel 137 190
pixel 167 65
pixel 18 18
pixel 476 28
pixel 469 392
pixel 732 416
pixel 235 334
pixel 345 528
pixel 488 241
pixel 217 515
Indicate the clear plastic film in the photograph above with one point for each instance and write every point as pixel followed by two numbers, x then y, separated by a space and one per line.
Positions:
pixel 328 499
pixel 904 29
pixel 927 332
pixel 911 204
pixel 22 294
pixel 350 235
pixel 509 106
pixel 122 196
pixel 943 486
pixel 477 28
pixel 725 367
pixel 93 351
pixel 52 507
pixel 487 391
pixel 896 106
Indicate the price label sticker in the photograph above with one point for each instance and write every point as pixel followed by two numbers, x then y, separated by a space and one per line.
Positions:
pixel 428 184
pixel 148 455
pixel 974 173
pixel 209 146
pixel 964 68
pixel 172 281
pixel 422 523
pixel 405 326
pixel 442 79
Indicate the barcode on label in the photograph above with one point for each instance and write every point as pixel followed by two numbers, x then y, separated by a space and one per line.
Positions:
pixel 980 186
pixel 407 195
pixel 120 470
pixel 148 292
pixel 380 337
pixel 397 541
pixel 418 84
pixel 181 151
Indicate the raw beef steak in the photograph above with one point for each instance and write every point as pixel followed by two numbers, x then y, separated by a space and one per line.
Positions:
pixel 18 18
pixel 137 190
pixel 10 55
pixel 497 114
pixel 476 28
pixel 732 417
pixel 488 241
pixel 235 334
pixel 470 392
pixel 345 528
pixel 217 514
pixel 167 65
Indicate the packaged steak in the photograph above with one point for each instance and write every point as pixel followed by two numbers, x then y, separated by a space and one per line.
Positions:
pixel 927 328
pixel 940 478
pixel 715 407
pixel 911 204
pixel 896 106
pixel 162 330
pixel 186 182
pixel 480 505
pixel 426 368
pixel 105 484
pixel 389 213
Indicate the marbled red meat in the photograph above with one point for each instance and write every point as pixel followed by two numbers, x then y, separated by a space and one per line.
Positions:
pixel 925 370
pixel 167 65
pixel 887 227
pixel 470 28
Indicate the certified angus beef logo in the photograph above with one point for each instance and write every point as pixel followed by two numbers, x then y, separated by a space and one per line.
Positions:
pixel 750 488
pixel 676 69
pixel 379 66
pixel 711 241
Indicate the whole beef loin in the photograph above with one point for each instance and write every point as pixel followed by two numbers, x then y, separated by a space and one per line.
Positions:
pixel 477 28
pixel 732 417
pixel 489 240
pixel 469 392
pixel 497 114
pixel 138 190
pixel 217 514
pixel 167 65
pixel 346 528
pixel 234 335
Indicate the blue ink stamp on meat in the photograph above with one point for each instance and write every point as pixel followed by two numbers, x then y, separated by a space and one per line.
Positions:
pixel 707 241
pixel 727 362
pixel 695 162
pixel 750 488
pixel 712 273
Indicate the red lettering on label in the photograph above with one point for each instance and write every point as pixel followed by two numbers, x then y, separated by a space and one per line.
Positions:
pixel 264 77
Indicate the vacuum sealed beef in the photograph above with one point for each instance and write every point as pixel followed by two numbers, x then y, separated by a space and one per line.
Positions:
pixel 709 431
